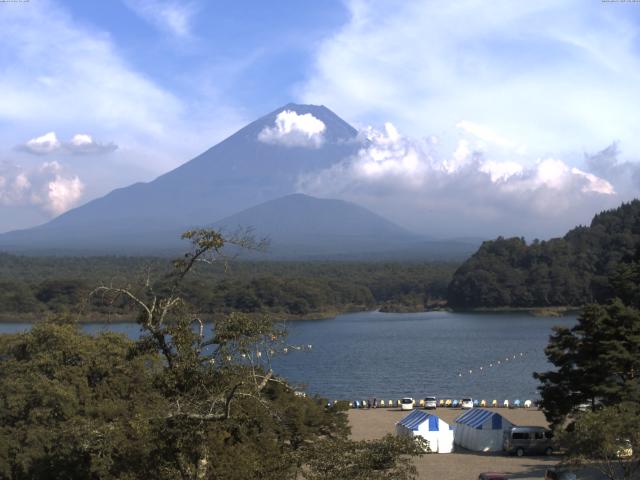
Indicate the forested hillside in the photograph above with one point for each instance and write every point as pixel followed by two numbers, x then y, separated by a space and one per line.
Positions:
pixel 569 271
pixel 37 286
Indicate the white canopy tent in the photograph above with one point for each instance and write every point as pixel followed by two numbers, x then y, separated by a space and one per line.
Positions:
pixel 481 430
pixel 432 428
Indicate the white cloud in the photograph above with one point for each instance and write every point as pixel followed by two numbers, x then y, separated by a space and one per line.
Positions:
pixel 80 144
pixel 46 186
pixel 170 15
pixel 81 139
pixel 462 191
pixel 558 77
pixel 294 130
pixel 42 145
pixel 84 144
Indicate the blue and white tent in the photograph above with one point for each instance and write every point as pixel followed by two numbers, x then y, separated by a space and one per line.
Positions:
pixel 432 428
pixel 481 430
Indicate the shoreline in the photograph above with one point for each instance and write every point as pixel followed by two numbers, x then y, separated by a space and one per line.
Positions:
pixel 555 311
pixel 559 311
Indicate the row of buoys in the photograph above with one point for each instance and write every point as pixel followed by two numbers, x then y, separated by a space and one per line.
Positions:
pixel 271 351
pixel 448 403
pixel 493 364
pixel 291 348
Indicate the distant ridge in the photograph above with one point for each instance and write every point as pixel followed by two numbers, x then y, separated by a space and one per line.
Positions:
pixel 301 225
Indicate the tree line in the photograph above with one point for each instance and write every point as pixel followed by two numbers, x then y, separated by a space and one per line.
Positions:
pixel 38 286
pixel 570 271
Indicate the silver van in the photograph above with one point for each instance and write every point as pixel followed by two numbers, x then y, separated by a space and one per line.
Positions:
pixel 528 440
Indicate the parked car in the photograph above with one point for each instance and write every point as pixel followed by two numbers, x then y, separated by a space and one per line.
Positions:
pixel 466 403
pixel 493 476
pixel 529 440
pixel 407 403
pixel 430 403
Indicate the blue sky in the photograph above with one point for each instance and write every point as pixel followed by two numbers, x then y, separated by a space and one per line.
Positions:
pixel 133 88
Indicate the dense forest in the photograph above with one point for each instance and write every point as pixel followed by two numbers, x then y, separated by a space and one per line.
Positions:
pixel 37 286
pixel 570 271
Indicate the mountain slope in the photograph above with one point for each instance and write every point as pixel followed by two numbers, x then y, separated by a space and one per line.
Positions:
pixel 302 225
pixel 237 173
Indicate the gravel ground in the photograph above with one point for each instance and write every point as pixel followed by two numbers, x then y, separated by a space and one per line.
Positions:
pixel 461 465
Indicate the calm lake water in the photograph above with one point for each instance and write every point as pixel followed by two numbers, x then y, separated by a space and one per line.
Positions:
pixel 387 355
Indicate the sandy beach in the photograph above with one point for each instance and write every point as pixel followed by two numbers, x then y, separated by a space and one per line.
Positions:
pixel 461 465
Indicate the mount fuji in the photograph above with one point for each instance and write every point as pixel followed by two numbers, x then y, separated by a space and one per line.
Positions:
pixel 249 180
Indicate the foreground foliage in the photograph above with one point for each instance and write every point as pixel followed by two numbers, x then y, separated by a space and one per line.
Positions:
pixel 75 406
pixel 608 439
pixel 341 459
pixel 187 400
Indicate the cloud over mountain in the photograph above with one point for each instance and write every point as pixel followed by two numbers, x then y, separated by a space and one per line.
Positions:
pixel 293 130
pixel 417 183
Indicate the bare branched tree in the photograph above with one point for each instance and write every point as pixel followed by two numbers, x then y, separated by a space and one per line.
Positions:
pixel 209 366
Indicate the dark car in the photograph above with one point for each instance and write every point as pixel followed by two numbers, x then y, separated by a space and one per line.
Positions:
pixel 493 476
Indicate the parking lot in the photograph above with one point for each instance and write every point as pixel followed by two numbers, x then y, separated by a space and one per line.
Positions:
pixel 369 424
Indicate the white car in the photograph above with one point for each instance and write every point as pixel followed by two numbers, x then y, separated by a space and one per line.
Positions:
pixel 407 403
pixel 466 403
pixel 430 403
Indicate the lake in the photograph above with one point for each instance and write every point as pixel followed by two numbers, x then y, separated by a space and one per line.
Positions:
pixel 389 355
